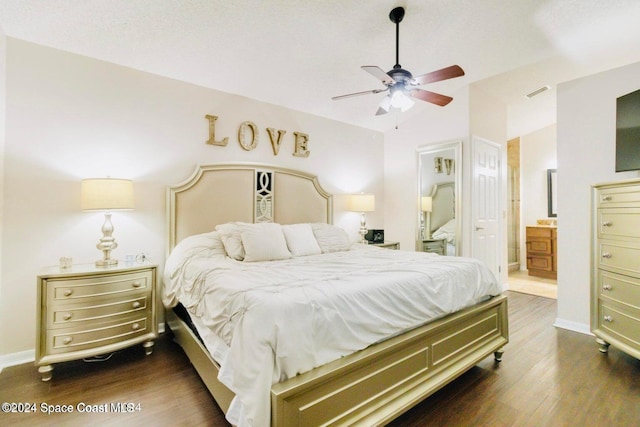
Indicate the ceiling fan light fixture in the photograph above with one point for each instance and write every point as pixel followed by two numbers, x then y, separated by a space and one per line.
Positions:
pixel 401 101
pixel 385 104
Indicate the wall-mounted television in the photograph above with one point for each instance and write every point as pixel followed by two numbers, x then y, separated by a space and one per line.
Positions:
pixel 628 132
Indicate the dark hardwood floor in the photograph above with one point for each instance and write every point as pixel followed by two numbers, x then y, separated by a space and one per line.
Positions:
pixel 548 377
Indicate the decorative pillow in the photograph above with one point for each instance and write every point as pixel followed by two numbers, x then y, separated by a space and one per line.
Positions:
pixel 230 234
pixel 199 245
pixel 330 238
pixel 300 240
pixel 264 242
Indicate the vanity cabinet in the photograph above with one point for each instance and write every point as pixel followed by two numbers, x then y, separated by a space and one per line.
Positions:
pixel 615 276
pixel 542 258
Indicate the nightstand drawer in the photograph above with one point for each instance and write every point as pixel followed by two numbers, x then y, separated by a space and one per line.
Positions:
pixel 63 341
pixel 67 315
pixel 97 286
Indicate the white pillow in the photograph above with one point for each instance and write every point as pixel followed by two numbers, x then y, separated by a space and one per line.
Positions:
pixel 330 238
pixel 230 234
pixel 300 240
pixel 264 242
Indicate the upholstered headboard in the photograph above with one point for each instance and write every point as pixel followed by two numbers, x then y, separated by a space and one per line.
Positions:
pixel 443 208
pixel 216 194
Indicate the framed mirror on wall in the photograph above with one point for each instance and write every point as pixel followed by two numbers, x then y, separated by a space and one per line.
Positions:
pixel 552 194
pixel 438 227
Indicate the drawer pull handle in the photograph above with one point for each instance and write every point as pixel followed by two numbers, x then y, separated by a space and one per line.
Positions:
pixel 607 198
pixel 607 224
pixel 68 292
pixel 135 326
pixel 67 340
pixel 136 304
pixel 67 316
pixel 606 255
pixel 606 287
pixel 136 284
pixel 608 319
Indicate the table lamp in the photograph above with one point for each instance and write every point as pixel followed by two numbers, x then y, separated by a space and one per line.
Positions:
pixel 426 206
pixel 362 203
pixel 106 194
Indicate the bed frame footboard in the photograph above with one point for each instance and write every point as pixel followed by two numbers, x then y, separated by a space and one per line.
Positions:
pixel 375 385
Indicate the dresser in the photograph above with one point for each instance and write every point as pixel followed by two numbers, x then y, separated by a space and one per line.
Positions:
pixel 87 311
pixel 437 246
pixel 542 247
pixel 615 278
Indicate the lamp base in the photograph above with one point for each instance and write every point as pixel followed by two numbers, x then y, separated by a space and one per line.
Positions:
pixel 363 229
pixel 106 263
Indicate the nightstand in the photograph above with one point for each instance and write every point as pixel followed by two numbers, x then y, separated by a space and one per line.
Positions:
pixel 388 245
pixel 437 246
pixel 86 311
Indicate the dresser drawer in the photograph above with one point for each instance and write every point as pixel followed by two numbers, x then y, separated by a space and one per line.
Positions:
pixel 619 223
pixel 620 257
pixel 68 315
pixel 621 195
pixel 623 324
pixel 97 286
pixel 624 290
pixel 75 339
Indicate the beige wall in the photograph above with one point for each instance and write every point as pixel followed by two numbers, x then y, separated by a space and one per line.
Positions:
pixel 586 156
pixel 71 117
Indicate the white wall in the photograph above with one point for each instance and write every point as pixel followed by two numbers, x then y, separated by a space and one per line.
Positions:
pixel 71 117
pixel 586 156
pixel 538 153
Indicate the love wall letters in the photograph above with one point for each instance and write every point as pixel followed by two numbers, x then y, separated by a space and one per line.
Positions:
pixel 248 137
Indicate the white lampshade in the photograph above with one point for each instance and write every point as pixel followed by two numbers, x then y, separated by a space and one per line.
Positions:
pixel 427 204
pixel 362 203
pixel 106 194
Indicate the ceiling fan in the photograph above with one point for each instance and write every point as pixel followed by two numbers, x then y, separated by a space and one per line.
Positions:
pixel 401 84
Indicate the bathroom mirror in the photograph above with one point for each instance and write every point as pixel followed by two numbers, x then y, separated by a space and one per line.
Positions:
pixel 438 202
pixel 552 197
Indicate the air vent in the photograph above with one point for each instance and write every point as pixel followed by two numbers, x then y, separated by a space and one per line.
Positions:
pixel 537 91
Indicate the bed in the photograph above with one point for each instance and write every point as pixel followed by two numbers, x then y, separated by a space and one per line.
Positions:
pixel 369 386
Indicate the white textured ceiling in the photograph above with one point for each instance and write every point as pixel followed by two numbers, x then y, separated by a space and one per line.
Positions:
pixel 300 53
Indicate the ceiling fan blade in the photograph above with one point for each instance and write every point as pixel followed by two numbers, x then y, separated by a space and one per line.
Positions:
pixel 349 95
pixel 432 97
pixel 438 75
pixel 379 74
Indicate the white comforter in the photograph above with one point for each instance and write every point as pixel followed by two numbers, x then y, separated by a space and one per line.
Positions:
pixel 282 318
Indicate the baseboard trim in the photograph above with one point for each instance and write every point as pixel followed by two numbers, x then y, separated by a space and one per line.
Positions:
pixel 13 359
pixel 572 326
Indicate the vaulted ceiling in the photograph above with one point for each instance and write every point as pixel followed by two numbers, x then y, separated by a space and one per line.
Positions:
pixel 300 53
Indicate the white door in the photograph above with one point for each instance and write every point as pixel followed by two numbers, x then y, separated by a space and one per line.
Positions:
pixel 485 197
